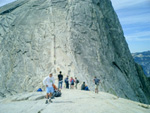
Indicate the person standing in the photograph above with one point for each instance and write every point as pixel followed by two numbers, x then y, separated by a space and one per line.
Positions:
pixel 60 80
pixel 48 82
pixel 76 82
pixel 96 81
pixel 72 83
pixel 67 82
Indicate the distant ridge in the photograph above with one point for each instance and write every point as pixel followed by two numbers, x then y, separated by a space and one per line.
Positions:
pixel 143 59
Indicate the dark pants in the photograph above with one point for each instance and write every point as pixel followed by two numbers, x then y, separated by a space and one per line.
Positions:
pixel 67 85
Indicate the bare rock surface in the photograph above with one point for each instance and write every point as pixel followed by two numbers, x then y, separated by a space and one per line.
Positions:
pixel 74 101
pixel 82 38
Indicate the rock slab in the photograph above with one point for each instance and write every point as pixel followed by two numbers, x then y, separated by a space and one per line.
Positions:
pixel 82 38
pixel 74 101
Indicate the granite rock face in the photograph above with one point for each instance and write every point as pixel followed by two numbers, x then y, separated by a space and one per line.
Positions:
pixel 82 38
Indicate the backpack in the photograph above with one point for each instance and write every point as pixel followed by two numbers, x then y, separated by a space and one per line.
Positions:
pixel 39 90
pixel 57 93
pixel 97 81
pixel 54 86
pixel 66 80
pixel 77 81
pixel 72 81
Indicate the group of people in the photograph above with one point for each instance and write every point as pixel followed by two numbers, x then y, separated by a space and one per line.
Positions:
pixel 96 82
pixel 49 82
pixel 73 82
pixel 84 87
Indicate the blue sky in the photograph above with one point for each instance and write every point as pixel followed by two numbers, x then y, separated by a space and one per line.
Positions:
pixel 3 2
pixel 134 16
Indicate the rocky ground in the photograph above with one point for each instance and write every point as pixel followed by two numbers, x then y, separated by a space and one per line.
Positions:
pixel 81 38
pixel 74 101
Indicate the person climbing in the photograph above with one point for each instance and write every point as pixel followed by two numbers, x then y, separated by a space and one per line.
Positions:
pixel 67 82
pixel 60 80
pixel 83 86
pixel 72 83
pixel 96 81
pixel 48 82
pixel 76 82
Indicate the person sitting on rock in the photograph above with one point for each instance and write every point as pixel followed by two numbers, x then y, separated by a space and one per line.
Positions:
pixel 56 93
pixel 54 86
pixel 86 88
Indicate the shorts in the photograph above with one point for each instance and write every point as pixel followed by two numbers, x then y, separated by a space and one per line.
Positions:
pixel 49 89
pixel 96 86
pixel 72 83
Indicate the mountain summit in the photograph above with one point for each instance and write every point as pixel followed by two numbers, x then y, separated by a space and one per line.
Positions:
pixel 81 38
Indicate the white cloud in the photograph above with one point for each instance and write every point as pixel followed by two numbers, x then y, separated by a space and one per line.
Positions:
pixel 134 15
pixel 143 18
pixel 140 36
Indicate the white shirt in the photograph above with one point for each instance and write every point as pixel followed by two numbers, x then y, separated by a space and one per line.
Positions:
pixel 49 81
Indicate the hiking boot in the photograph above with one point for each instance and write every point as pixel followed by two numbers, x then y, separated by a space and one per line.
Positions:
pixel 46 102
pixel 50 101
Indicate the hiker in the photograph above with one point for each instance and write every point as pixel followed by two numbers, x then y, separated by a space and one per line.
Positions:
pixel 67 82
pixel 48 82
pixel 60 80
pixel 54 86
pixel 72 83
pixel 56 93
pixel 83 86
pixel 96 81
pixel 86 88
pixel 76 82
